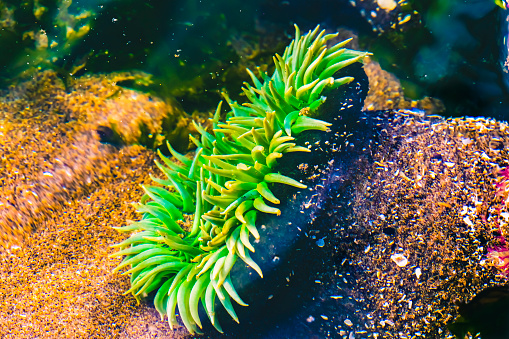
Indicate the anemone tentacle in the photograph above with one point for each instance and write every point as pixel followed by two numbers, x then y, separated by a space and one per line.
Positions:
pixel 229 180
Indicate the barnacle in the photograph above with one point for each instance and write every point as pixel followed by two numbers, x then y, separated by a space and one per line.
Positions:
pixel 228 182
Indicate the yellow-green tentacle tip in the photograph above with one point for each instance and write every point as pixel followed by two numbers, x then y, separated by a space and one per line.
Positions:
pixel 261 206
pixel 279 178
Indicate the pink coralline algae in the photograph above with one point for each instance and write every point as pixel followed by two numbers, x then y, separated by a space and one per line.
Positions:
pixel 503 184
pixel 498 255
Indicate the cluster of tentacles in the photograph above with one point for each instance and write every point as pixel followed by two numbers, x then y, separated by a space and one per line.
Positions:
pixel 228 182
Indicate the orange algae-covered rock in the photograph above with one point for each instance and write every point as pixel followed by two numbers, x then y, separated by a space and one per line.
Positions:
pixel 429 202
pixel 386 92
pixel 58 179
pixel 50 150
pixel 100 101
pixel 60 284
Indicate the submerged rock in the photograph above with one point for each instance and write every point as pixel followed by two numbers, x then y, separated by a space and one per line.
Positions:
pixel 54 141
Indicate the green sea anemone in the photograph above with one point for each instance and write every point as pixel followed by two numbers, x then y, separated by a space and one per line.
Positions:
pixel 228 182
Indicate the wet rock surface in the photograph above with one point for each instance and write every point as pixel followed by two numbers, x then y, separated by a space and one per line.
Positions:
pixel 430 198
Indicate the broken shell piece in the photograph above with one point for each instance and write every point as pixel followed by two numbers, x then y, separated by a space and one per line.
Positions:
pixel 467 221
pixel 387 5
pixel 399 259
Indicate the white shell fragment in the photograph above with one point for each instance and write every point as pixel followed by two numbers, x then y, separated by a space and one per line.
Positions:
pixel 399 259
pixel 388 5
pixel 467 221
pixel 418 272
pixel 466 141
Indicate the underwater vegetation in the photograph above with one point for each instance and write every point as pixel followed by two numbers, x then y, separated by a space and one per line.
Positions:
pixel 444 52
pixel 387 15
pixel 231 178
pixel 39 35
